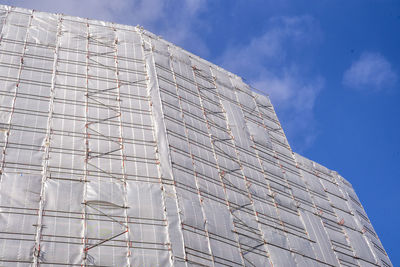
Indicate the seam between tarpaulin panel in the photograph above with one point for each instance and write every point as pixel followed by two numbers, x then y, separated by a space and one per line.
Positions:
pixel 154 94
pixel 5 130
pixel 124 178
pixel 37 251
pixel 166 186
pixel 218 167
pixel 261 235
pixel 85 181
pixel 192 157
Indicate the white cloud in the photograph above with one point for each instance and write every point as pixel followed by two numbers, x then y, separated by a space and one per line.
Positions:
pixel 269 62
pixel 173 19
pixel 371 72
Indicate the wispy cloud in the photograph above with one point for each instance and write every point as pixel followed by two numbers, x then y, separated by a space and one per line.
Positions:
pixel 173 19
pixel 272 63
pixel 371 72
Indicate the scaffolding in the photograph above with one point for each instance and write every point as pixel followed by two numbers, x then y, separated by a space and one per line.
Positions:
pixel 121 149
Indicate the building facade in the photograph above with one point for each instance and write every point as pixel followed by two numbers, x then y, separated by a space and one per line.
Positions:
pixel 121 149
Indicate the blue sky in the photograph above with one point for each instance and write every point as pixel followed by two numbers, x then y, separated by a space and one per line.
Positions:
pixel 332 69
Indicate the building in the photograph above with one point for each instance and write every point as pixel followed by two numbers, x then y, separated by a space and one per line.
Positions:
pixel 121 149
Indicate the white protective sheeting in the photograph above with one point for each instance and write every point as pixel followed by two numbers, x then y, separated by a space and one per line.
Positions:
pixel 121 149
